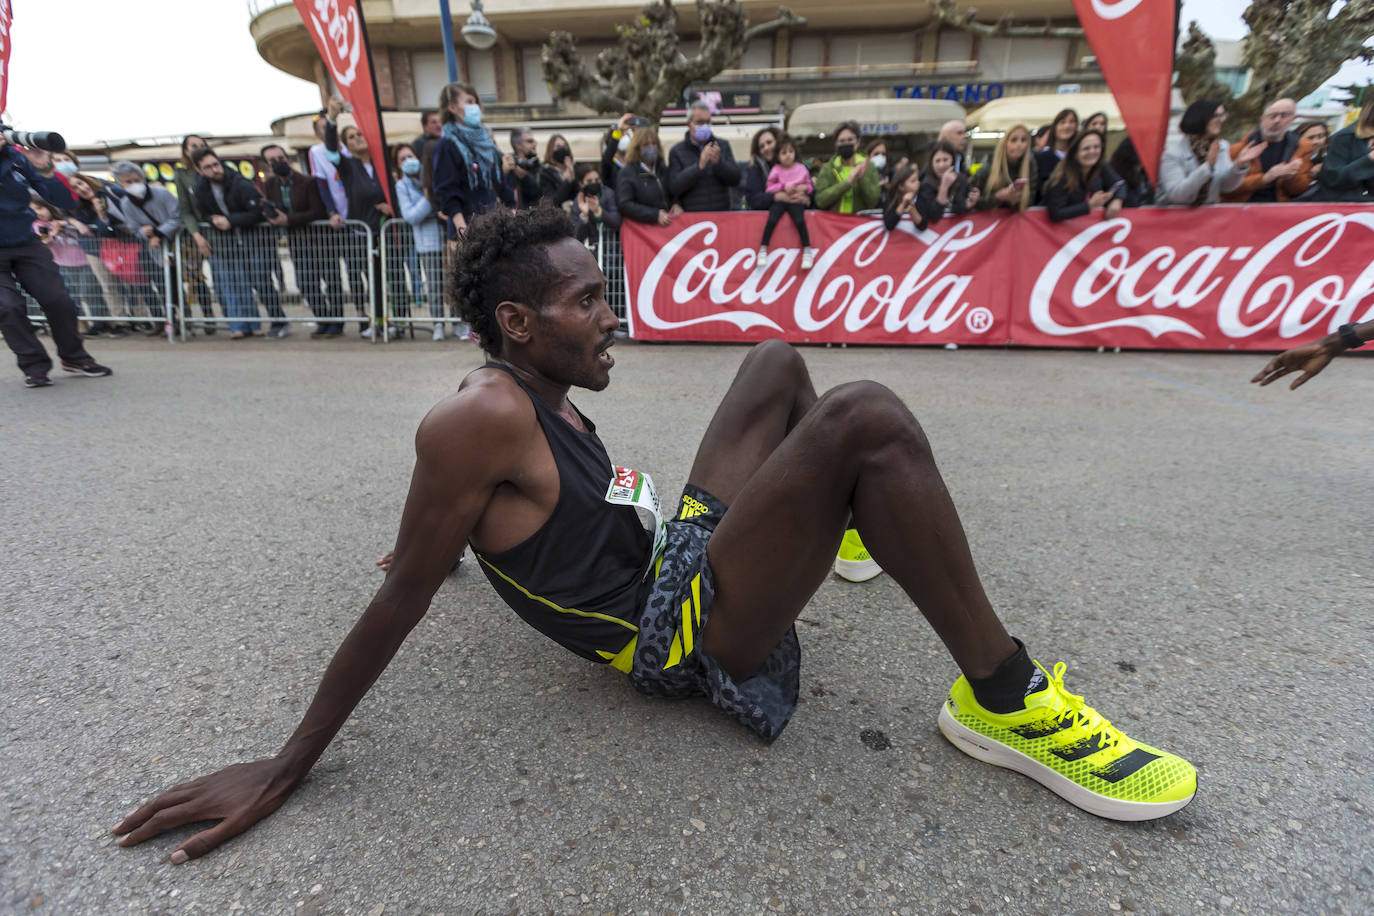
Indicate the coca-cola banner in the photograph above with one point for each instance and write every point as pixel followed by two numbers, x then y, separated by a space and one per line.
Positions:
pixel 1133 41
pixel 341 38
pixel 1247 277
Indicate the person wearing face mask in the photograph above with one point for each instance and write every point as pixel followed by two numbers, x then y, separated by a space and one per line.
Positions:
pixel 520 168
pixel 641 191
pixel 592 207
pixel 467 164
pixel 427 233
pixel 153 215
pixel 26 261
pixel 558 177
pixel 296 204
pixel 614 146
pixel 702 169
pixel 876 152
pixel 1011 178
pixel 847 184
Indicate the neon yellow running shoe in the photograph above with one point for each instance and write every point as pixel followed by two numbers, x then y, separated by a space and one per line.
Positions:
pixel 1066 746
pixel 854 562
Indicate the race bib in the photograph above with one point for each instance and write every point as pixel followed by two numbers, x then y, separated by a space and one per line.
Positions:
pixel 635 488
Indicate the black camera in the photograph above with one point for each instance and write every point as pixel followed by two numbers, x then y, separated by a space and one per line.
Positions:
pixel 270 210
pixel 638 122
pixel 529 163
pixel 49 140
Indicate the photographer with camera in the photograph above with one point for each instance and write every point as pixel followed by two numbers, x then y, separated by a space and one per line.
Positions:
pixel 520 168
pixel 292 202
pixel 25 261
pixel 558 177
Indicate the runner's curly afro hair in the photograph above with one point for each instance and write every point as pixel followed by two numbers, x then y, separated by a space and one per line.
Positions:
pixel 502 257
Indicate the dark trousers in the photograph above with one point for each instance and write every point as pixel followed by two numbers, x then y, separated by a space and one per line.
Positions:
pixel 359 269
pixel 263 262
pixel 316 261
pixel 31 266
pixel 798 214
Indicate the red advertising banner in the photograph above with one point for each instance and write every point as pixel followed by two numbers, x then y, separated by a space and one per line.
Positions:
pixel 1134 44
pixel 341 38
pixel 1247 277
pixel 6 20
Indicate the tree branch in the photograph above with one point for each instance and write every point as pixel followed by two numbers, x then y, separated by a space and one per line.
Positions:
pixel 947 11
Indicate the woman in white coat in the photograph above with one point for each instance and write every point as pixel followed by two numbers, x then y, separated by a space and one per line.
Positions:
pixel 1197 168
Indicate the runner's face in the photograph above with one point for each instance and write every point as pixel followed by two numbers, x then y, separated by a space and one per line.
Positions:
pixel 573 329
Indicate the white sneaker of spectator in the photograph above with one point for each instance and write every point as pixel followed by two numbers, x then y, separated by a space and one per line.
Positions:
pixel 366 333
pixel 438 332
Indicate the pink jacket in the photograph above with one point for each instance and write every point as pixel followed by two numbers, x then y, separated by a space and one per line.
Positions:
pixel 779 178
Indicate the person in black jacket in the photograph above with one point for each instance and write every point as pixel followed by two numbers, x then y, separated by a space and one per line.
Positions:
pixel 1082 182
pixel 763 150
pixel 944 187
pixel 466 163
pixel 1125 161
pixel 237 261
pixel 701 169
pixel 367 202
pixel 1062 131
pixel 641 191
pixel 295 203
pixel 520 168
pixel 903 199
pixel 558 177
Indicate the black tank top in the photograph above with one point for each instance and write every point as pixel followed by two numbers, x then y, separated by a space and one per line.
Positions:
pixel 578 579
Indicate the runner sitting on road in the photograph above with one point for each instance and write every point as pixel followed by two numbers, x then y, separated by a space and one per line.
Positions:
pixel 703 605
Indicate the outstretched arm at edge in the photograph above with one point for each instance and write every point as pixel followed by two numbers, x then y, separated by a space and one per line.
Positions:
pixel 464 448
pixel 1309 359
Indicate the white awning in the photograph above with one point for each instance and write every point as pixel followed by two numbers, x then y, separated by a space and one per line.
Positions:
pixel 876 117
pixel 1002 114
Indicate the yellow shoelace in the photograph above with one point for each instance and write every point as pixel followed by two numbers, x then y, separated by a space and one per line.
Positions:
pixel 1083 722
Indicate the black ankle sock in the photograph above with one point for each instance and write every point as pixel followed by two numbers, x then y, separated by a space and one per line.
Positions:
pixel 1005 689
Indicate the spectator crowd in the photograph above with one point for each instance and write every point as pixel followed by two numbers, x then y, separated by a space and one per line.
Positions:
pixel 317 213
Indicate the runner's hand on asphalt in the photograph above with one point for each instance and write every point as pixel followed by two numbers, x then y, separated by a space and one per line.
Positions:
pixel 1309 359
pixel 238 797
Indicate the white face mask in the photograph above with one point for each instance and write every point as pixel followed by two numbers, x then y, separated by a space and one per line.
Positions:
pixel 67 168
pixel 137 190
pixel 624 142
pixel 879 161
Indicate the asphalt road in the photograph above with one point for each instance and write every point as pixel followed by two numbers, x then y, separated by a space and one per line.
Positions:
pixel 188 541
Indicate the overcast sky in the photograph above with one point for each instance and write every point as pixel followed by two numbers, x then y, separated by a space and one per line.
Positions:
pixel 94 70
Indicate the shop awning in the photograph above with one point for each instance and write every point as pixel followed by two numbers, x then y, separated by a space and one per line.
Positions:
pixel 876 117
pixel 1034 110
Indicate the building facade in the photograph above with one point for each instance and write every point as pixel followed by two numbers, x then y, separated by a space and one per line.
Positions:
pixel 863 49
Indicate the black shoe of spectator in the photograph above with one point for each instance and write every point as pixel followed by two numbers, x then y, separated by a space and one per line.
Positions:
pixel 37 381
pixel 153 330
pixel 90 369
pixel 92 332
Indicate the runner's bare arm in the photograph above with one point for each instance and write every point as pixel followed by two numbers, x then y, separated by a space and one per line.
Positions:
pixel 1311 358
pixel 465 448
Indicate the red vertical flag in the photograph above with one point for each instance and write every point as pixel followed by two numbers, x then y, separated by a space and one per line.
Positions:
pixel 6 17
pixel 1134 44
pixel 341 38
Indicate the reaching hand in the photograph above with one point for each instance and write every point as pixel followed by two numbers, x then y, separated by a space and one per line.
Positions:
pixel 1309 359
pixel 238 797
pixel 333 108
pixel 220 222
pixel 1251 152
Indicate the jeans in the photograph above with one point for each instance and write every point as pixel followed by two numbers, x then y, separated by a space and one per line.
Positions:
pixel 229 271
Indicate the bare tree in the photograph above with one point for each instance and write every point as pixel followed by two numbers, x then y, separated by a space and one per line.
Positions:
pixel 1293 47
pixel 645 71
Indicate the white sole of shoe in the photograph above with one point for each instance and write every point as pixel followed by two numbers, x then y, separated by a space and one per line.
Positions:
pixel 998 754
pixel 857 570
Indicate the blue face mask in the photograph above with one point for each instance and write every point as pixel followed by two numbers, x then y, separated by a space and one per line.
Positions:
pixel 411 167
pixel 701 133
pixel 67 168
pixel 472 115
pixel 648 154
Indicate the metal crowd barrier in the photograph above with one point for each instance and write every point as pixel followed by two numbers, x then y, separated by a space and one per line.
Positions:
pixel 611 259
pixel 278 277
pixel 414 292
pixel 126 282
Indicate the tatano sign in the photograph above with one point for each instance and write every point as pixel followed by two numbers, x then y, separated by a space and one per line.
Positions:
pixel 1284 274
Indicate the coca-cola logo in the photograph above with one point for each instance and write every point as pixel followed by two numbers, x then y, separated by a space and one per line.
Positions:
pixel 851 286
pixel 339 37
pixel 1114 9
pixel 1278 283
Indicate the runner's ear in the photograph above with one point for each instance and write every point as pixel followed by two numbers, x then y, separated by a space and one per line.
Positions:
pixel 515 321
